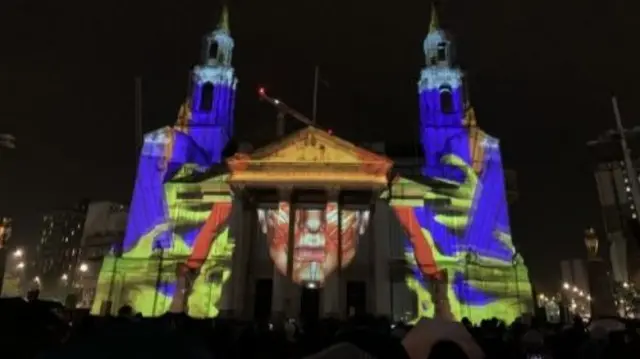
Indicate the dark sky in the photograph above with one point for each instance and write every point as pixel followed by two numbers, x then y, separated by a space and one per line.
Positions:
pixel 541 74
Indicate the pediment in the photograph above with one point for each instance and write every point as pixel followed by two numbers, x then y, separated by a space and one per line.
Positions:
pixel 312 145
pixel 311 155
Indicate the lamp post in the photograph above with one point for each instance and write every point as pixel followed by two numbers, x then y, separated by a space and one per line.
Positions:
pixel 592 243
pixel 599 281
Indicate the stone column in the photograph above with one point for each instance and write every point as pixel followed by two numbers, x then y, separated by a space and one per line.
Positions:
pixel 242 244
pixel 277 296
pixel 332 290
pixel 381 259
pixel 225 303
pixel 282 284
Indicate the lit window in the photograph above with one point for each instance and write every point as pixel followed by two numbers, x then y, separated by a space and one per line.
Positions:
pixel 633 215
pixel 628 189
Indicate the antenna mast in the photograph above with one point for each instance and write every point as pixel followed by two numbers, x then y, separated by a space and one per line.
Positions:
pixel 138 115
pixel 316 78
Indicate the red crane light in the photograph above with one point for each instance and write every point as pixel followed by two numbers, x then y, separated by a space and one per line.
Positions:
pixel 261 90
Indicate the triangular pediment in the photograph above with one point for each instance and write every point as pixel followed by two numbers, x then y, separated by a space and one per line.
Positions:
pixel 310 157
pixel 312 145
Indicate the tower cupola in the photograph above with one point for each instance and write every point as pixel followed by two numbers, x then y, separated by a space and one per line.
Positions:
pixel 437 46
pixel 213 91
pixel 218 47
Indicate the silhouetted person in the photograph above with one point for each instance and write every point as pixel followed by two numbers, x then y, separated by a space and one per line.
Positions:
pixel 125 312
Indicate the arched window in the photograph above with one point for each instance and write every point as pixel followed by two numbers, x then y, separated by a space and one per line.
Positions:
pixel 446 100
pixel 213 50
pixel 206 97
pixel 442 51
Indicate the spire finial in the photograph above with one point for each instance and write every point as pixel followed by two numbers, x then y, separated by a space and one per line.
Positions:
pixel 223 24
pixel 434 24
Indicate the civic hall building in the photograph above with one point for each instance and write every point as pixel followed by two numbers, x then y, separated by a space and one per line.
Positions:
pixel 313 225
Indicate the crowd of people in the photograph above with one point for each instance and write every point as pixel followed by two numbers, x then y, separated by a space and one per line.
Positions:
pixel 44 330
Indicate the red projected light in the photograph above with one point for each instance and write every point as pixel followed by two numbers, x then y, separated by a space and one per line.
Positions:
pixel 261 90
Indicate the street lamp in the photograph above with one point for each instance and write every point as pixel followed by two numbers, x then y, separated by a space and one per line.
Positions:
pixel 64 276
pixel 18 253
pixel 591 241
pixel 20 265
pixel 84 267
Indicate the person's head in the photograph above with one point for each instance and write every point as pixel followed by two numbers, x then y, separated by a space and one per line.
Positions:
pixel 125 311
pixel 446 349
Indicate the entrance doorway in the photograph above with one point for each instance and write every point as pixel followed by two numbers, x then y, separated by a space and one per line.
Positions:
pixel 262 300
pixel 309 304
pixel 356 297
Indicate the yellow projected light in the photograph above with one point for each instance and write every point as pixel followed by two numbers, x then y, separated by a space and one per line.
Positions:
pixel 197 264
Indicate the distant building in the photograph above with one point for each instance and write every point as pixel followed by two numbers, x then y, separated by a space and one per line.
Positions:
pixel 616 204
pixel 575 292
pixel 104 227
pixel 9 264
pixel 104 230
pixel 574 272
pixel 58 252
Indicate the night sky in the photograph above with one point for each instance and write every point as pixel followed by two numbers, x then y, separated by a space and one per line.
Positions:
pixel 541 75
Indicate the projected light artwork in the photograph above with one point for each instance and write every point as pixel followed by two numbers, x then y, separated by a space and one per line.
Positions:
pixel 459 240
pixel 315 240
pixel 193 230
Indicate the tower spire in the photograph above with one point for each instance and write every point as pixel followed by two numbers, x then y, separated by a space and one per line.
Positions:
pixel 434 24
pixel 223 24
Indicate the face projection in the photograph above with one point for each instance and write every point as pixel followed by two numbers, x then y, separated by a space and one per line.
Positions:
pixel 315 239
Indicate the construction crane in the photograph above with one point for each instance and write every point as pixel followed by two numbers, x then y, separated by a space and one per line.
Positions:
pixel 283 111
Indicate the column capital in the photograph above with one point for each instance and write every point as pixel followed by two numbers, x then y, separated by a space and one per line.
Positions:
pixel 333 193
pixel 285 193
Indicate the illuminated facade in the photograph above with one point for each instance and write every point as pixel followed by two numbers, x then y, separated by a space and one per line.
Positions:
pixel 313 224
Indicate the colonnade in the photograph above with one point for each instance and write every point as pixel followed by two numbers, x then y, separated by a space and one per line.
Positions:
pixel 285 300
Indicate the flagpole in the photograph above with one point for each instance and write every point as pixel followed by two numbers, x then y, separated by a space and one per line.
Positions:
pixel 314 111
pixel 138 115
pixel 628 163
